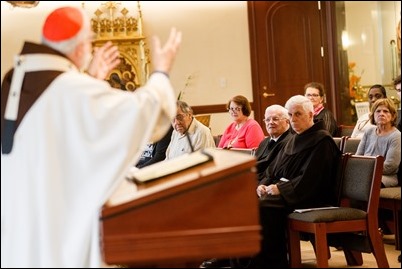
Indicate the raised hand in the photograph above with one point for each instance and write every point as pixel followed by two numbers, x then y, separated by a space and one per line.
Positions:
pixel 163 57
pixel 104 59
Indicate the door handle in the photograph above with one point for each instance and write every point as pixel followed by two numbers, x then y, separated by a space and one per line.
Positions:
pixel 268 94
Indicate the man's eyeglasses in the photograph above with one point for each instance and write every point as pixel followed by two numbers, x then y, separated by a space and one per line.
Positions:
pixel 274 119
pixel 312 95
pixel 179 117
pixel 233 109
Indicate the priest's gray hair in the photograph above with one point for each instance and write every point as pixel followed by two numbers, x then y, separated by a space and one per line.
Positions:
pixel 300 100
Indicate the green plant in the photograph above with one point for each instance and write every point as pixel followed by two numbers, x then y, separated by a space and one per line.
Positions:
pixel 182 92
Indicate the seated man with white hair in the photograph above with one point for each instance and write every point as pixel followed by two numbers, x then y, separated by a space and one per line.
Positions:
pixel 301 176
pixel 278 127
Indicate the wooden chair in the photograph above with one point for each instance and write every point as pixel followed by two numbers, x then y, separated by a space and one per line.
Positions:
pixel 356 229
pixel 217 139
pixel 350 145
pixel 390 199
pixel 203 118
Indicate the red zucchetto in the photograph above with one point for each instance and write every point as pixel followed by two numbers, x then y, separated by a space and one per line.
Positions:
pixel 63 24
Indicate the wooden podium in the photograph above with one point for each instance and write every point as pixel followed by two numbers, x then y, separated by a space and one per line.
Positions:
pixel 208 211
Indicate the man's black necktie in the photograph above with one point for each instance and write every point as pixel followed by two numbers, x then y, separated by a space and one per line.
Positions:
pixel 271 144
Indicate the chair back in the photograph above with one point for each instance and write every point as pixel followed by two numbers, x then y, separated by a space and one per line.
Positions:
pixel 339 141
pixel 217 139
pixel 345 130
pixel 350 145
pixel 339 177
pixel 203 118
pixel 250 151
pixel 362 180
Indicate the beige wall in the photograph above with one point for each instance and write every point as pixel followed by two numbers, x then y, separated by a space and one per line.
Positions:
pixel 215 49
pixel 371 25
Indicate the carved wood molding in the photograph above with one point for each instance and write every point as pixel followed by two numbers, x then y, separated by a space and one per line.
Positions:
pixel 24 4
pixel 112 22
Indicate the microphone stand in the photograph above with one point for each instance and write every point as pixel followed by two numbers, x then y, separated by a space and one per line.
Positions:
pixel 188 137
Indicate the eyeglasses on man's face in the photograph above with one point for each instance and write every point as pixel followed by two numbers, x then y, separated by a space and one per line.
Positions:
pixel 274 119
pixel 233 109
pixel 180 117
pixel 315 95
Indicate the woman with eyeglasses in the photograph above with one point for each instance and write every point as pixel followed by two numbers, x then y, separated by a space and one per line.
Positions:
pixel 314 91
pixel 243 132
pixel 375 92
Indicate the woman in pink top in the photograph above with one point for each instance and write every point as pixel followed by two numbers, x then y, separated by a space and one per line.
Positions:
pixel 243 132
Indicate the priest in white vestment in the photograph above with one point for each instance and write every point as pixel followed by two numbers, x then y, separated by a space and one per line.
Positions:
pixel 67 140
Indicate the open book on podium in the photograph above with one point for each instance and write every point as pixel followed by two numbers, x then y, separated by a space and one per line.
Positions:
pixel 179 220
pixel 164 168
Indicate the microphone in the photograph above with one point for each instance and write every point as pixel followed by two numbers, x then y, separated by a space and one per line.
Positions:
pixel 188 137
pixel 189 141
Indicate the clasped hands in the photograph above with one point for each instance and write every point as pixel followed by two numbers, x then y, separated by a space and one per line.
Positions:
pixel 264 190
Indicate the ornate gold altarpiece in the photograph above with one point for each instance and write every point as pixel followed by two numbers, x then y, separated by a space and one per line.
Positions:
pixel 112 22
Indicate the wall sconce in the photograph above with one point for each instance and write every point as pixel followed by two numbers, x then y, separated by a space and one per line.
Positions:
pixel 24 4
pixel 345 40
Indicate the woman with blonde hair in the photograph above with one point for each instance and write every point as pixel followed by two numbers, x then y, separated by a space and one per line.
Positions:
pixel 383 139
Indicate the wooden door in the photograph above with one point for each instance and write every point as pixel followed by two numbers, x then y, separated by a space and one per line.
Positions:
pixel 287 43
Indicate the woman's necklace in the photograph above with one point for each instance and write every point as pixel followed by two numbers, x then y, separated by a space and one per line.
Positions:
pixel 239 125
